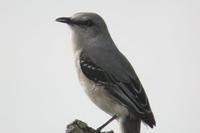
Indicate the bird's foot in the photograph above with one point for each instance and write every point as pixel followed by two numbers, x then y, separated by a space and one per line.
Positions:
pixel 106 123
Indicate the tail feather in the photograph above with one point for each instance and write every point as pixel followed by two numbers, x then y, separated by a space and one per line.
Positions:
pixel 129 125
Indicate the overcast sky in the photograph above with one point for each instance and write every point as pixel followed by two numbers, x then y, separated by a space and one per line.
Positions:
pixel 39 88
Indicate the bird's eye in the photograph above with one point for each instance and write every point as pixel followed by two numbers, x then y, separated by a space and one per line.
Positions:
pixel 89 23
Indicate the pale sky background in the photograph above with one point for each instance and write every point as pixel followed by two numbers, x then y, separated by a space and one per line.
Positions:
pixel 39 89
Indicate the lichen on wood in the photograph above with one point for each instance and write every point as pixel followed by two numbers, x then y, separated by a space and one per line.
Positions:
pixel 78 126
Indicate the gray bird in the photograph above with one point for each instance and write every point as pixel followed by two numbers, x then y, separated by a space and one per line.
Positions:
pixel 106 75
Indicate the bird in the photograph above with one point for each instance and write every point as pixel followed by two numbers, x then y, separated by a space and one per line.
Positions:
pixel 106 75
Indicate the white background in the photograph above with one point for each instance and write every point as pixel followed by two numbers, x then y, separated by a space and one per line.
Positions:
pixel 39 90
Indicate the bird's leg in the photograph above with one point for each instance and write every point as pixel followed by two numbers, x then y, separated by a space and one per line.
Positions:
pixel 106 123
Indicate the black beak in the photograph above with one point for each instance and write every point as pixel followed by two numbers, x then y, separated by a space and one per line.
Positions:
pixel 66 20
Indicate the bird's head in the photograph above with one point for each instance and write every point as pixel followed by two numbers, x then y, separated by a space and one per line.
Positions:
pixel 85 25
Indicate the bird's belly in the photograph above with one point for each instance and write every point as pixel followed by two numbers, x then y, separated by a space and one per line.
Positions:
pixel 100 96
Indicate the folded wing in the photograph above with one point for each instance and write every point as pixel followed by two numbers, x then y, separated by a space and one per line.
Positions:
pixel 130 93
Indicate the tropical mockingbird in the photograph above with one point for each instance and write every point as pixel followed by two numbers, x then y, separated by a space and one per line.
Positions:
pixel 106 75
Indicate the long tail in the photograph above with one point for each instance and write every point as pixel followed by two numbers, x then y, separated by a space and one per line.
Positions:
pixel 129 125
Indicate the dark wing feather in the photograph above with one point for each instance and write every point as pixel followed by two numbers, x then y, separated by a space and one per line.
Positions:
pixel 130 93
pixel 92 71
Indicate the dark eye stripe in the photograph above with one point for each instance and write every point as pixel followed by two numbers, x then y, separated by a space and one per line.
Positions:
pixel 86 23
pixel 89 23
